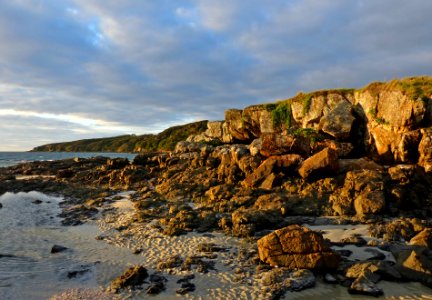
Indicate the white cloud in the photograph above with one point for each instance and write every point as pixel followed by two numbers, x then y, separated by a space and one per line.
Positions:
pixel 145 65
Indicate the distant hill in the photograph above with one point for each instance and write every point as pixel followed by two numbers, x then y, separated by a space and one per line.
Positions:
pixel 166 140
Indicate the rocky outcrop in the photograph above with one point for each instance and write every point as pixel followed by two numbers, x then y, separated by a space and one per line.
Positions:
pixel 297 247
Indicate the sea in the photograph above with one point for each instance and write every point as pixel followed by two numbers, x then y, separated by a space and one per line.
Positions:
pixel 8 159
pixel 30 226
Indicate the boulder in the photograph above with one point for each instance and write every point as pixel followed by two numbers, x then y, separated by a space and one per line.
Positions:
pixel 418 267
pixel 322 163
pixel 215 130
pixel 425 149
pixel 424 238
pixel 236 126
pixel 283 143
pixel 364 286
pixel 299 280
pixel 297 247
pixel 338 121
pixel 264 171
pixel 255 147
pixel 369 202
pixel 361 188
pixel 132 277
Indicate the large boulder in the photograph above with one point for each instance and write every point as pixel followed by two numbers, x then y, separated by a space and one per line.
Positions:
pixel 425 149
pixel 282 162
pixel 369 202
pixel 278 144
pixel 424 238
pixel 338 121
pixel 362 193
pixel 297 247
pixel 325 161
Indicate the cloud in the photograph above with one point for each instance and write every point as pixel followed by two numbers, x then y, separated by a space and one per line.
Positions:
pixel 146 65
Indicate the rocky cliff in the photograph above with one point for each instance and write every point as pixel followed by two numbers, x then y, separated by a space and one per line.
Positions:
pixel 387 122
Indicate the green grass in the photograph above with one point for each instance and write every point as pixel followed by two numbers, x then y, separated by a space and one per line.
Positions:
pixel 307 101
pixel 282 114
pixel 166 140
pixel 415 88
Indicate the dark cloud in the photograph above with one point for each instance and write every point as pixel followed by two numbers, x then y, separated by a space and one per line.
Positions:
pixel 142 66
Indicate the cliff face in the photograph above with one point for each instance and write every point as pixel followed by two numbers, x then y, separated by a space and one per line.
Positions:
pixel 388 122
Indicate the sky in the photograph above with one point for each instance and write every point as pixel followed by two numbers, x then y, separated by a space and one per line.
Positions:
pixel 75 69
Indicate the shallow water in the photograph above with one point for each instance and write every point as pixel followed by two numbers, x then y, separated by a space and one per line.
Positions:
pixel 28 270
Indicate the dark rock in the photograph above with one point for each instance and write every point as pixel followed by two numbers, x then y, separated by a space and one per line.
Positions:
pixel 376 254
pixel 202 266
pixel 300 280
pixel 354 240
pixel 329 278
pixel 344 252
pixel 187 278
pixel 363 286
pixel 66 173
pixel 116 163
pixel 132 277
pixel 1 205
pixel 172 262
pixel 155 288
pixel 77 273
pixel 210 247
pixel 157 278
pixel 57 249
pixel 186 288
pixel 37 201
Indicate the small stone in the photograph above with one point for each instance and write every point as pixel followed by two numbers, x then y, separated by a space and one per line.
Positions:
pixel 137 251
pixel 186 288
pixel 344 252
pixel 132 277
pixel 155 288
pixel 364 286
pixel 186 278
pixel 57 249
pixel 329 278
pixel 37 201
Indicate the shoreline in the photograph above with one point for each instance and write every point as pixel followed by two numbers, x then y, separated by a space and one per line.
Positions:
pixel 183 204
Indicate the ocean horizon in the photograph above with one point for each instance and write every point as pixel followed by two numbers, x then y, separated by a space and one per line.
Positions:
pixel 11 158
